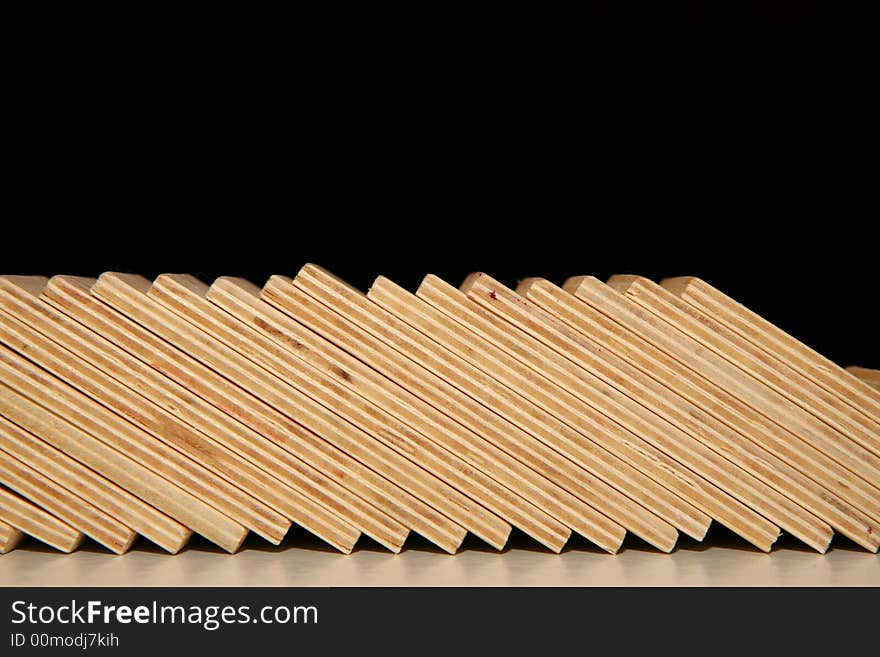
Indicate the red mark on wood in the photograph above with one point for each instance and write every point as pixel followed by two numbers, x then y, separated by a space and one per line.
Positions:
pixel 493 295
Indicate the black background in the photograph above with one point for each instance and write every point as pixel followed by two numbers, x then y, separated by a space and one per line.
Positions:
pixel 744 152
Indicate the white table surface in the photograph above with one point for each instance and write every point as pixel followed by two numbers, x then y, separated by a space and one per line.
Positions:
pixel 723 560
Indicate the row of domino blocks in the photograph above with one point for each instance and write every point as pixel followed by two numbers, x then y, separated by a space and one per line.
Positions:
pixel 161 409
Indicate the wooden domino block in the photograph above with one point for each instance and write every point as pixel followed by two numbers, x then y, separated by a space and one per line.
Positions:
pixel 729 386
pixel 10 537
pixel 869 376
pixel 665 387
pixel 33 521
pixel 770 371
pixel 93 487
pixel 243 422
pixel 37 401
pixel 128 294
pixel 621 492
pixel 264 504
pixel 787 464
pixel 439 401
pixel 829 376
pixel 353 306
pixel 565 387
pixel 242 300
pixel 154 436
pixel 416 461
pixel 38 489
pixel 726 507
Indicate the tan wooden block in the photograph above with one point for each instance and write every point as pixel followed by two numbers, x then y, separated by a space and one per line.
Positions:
pixel 708 381
pixel 38 489
pixel 622 493
pixel 423 385
pixel 561 501
pixel 772 372
pixel 93 487
pixel 33 521
pixel 724 507
pixel 758 404
pixel 415 461
pixel 242 300
pixel 662 387
pixel 261 432
pixel 560 384
pixel 163 441
pixel 106 443
pixel 869 376
pixel 429 445
pixel 792 469
pixel 660 381
pixel 128 294
pixel 187 426
pixel 774 341
pixel 10 537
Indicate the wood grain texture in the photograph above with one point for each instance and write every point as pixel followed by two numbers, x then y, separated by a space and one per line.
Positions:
pixel 724 507
pixel 354 306
pixel 729 386
pixel 427 401
pixel 93 487
pixel 392 448
pixel 668 390
pixel 34 521
pixel 621 492
pixel 248 494
pixel 177 451
pixel 254 429
pixel 827 375
pixel 567 387
pixel 128 294
pixel 104 442
pixel 10 537
pixel 41 491
pixel 171 407
pixel 785 381
pixel 792 467
pixel 243 301
pixel 869 376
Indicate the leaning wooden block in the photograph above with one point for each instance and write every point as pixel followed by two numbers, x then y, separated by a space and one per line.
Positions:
pixel 415 459
pixel 564 386
pixel 33 521
pixel 869 376
pixel 242 300
pixel 829 376
pixel 786 463
pixel 727 386
pixel 568 507
pixel 723 506
pixel 128 294
pixel 447 461
pixel 38 489
pixel 661 384
pixel 51 340
pixel 10 537
pixel 238 488
pixel 106 443
pixel 154 435
pixel 239 420
pixel 93 487
pixel 622 493
pixel 772 372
